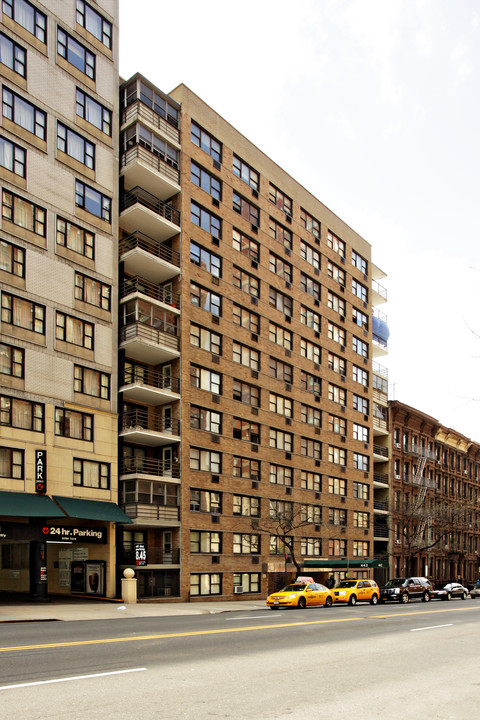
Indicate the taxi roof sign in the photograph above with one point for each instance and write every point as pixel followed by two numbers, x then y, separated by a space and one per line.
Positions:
pixel 304 579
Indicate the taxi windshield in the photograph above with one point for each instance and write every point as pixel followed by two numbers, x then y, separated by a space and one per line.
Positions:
pixel 346 583
pixel 294 588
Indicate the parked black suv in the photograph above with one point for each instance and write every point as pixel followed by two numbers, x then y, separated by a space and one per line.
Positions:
pixel 402 589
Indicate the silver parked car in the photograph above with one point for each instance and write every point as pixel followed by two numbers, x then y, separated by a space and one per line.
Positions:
pixel 475 591
pixel 449 590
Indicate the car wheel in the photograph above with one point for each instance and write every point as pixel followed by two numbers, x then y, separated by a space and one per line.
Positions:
pixel 374 600
pixel 449 597
pixel 302 604
pixel 352 600
pixel 328 601
pixel 404 598
pixel 464 596
pixel 426 597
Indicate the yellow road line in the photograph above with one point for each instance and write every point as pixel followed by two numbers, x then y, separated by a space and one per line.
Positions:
pixel 193 633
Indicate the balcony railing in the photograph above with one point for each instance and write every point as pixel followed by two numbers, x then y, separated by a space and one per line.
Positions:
pixel 144 242
pixel 155 556
pixel 381 478
pixel 147 333
pixel 139 153
pixel 420 482
pixel 380 531
pixel 145 287
pixel 137 110
pixel 380 450
pixel 380 505
pixel 150 466
pixel 138 374
pixel 379 289
pixel 151 202
pixel 143 420
pixel 151 512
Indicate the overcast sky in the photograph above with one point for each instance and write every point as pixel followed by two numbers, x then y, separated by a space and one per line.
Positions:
pixel 374 106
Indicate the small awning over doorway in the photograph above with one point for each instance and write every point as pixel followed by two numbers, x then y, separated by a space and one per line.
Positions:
pixel 16 504
pixel 91 509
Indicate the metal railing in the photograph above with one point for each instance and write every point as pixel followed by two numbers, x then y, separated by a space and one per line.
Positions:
pixel 144 242
pixel 147 333
pixel 152 202
pixel 380 370
pixel 137 110
pixel 140 375
pixel 138 152
pixel 421 482
pixel 380 531
pixel 379 289
pixel 380 450
pixel 150 466
pixel 143 420
pixel 145 287
pixel 380 505
pixel 151 512
pixel 381 478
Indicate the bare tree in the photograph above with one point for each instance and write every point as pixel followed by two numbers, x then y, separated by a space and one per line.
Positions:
pixel 283 522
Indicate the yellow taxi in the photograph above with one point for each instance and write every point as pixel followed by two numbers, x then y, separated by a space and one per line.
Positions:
pixel 353 591
pixel 300 594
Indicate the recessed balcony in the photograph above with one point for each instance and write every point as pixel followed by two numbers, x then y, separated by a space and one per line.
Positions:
pixel 380 531
pixel 148 258
pixel 380 452
pixel 148 429
pixel 381 507
pixel 380 479
pixel 141 210
pixel 148 386
pixel 141 167
pixel 150 468
pixel 138 111
pixel 139 286
pixel 148 344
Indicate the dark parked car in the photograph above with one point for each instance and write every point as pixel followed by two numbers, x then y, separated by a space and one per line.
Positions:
pixel 449 590
pixel 403 589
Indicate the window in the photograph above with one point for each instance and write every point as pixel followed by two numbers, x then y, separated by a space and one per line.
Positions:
pixel 75 54
pixel 205 584
pixel 205 460
pixel 359 262
pixel 12 259
pixel 337 394
pixel 74 145
pixel 310 255
pixel 310 286
pixel 12 463
pixel 280 301
pixel 23 414
pixel 310 481
pixel 281 405
pixel 204 419
pixel 310 546
pixel 337 424
pixel 246 209
pixel 93 112
pixel 205 379
pixel 337 455
pixel 158 103
pixel 280 370
pixel 280 475
pixel 337 516
pixel 12 361
pixel 310 383
pixel 205 339
pixel 92 292
pixel 246 319
pixel 311 514
pixel 337 334
pixel 203 179
pixel 245 173
pixel 336 273
pixel 91 474
pixel 276 546
pixel 278 198
pixel 205 220
pixel 360 375
pixel 246 544
pixel 202 139
pixel 360 548
pixel 26 15
pixel 205 259
pixel 360 347
pixel 311 448
pixel 245 355
pixel 310 318
pixel 361 519
pixel 310 223
pixel 139 135
pixel 246 468
pixel 311 415
pixel 75 238
pixel 310 350
pixel 361 491
pixel 359 318
pixel 245 245
pixel 74 330
pixel 280 267
pixel 280 509
pixel 281 440
pixel 337 547
pixel 207 501
pixel 246 506
pixel 205 541
pixel 361 462
pixel 280 234
pixel 91 382
pixel 93 201
pixel 23 313
pixel 12 55
pixel 95 23
pixel 245 393
pixel 13 157
pixel 336 303
pixel 246 430
pixel 337 486
pixel 379 383
pixel 359 290
pixel 337 364
pixel 205 299
pixel 72 424
pixel 24 213
pixel 280 336
pixel 250 582
pixel 336 244
pixel 246 282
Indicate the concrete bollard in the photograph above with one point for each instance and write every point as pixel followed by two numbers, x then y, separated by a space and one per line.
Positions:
pixel 129 587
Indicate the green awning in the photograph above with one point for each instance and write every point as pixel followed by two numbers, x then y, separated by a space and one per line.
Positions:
pixel 337 564
pixel 91 509
pixel 16 504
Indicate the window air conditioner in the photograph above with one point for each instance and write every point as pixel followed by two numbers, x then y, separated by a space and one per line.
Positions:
pixel 238 590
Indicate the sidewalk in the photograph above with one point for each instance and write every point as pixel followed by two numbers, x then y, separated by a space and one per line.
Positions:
pixel 80 609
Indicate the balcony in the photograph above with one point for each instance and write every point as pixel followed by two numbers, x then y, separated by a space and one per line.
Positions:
pixel 141 209
pixel 379 346
pixel 152 345
pixel 138 111
pixel 155 556
pixel 148 258
pixel 380 451
pixel 380 531
pixel 149 386
pixel 381 479
pixel 157 514
pixel 150 468
pixel 141 167
pixel 419 482
pixel 133 285
pixel 381 506
pixel 379 293
pixel 147 428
